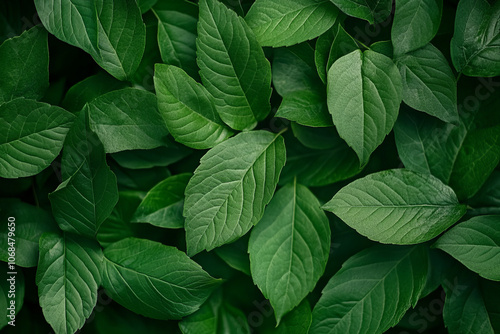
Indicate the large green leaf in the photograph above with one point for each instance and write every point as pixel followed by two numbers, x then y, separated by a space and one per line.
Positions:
pixel 188 109
pixel 114 117
pixel 373 11
pixel 154 280
pixel 68 276
pixel 429 84
pixel 475 46
pixel 229 190
pixel 289 248
pixel 372 291
pixel 364 94
pixel 476 244
pixel 89 192
pixel 416 22
pixel 232 66
pixel 32 136
pixel 24 70
pixel 30 223
pixel 397 206
pixel 288 22
pixel 164 203
pixel 177 34
pixel 112 32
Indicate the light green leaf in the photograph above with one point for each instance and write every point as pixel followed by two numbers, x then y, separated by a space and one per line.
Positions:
pixel 373 11
pixel 305 107
pixel 233 67
pixel 68 276
pixel 112 32
pixel 289 248
pixel 476 244
pixel 89 191
pixel 229 190
pixel 288 22
pixel 24 70
pixel 188 109
pixel 397 206
pixel 163 204
pixel 32 136
pixel 429 84
pixel 30 223
pixel 177 34
pixel 364 94
pixel 154 280
pixel 475 46
pixel 115 120
pixel 416 22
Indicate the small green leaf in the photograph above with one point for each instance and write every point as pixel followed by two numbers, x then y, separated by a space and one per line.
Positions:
pixel 373 11
pixel 397 206
pixel 155 280
pixel 288 22
pixel 188 109
pixel 229 190
pixel 233 67
pixel 68 276
pixel 476 244
pixel 24 70
pixel 382 282
pixel 364 94
pixel 32 136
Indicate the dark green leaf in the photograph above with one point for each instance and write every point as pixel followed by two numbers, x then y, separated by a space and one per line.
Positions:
pixel 373 11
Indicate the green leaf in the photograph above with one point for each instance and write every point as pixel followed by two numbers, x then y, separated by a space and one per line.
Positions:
pixel 32 136
pixel 188 109
pixel 24 70
pixel 229 190
pixel 157 157
pixel 297 321
pixel 233 67
pixel 316 138
pixel 154 280
pixel 383 47
pixel 288 22
pixel 235 255
pixel 68 276
pixel 289 248
pixel 372 291
pixel 163 204
pixel 177 34
pixel 7 296
pixel 475 46
pixel 112 32
pixel 364 94
pixel 215 317
pixel 429 84
pixel 30 223
pixel 397 206
pixel 114 118
pixel 89 192
pixel 373 11
pixel 416 22
pixel 146 5
pixel 476 244
pixel 487 200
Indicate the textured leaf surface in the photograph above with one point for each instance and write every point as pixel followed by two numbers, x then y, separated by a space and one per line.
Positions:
pixel 397 206
pixel 475 46
pixel 364 94
pixel 288 22
pixel 429 84
pixel 32 136
pixel 372 11
pixel 68 276
pixel 116 119
pixel 89 192
pixel 154 280
pixel 372 291
pixel 229 190
pixel 188 109
pixel 24 70
pixel 233 67
pixel 476 244
pixel 289 248
pixel 164 203
pixel 416 22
